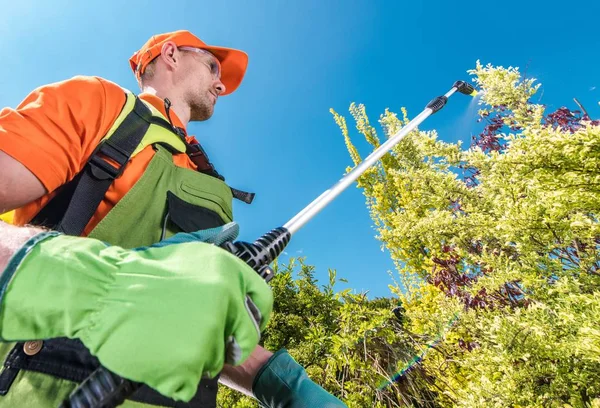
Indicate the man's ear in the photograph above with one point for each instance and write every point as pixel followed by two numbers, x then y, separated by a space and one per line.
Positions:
pixel 169 54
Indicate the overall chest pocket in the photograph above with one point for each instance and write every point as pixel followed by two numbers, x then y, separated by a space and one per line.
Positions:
pixel 192 209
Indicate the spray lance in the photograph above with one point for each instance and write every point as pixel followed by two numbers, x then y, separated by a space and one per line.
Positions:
pixel 104 389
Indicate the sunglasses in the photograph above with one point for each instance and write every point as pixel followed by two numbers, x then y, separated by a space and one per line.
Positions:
pixel 213 65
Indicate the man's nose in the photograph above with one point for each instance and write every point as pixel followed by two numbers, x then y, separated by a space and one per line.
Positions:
pixel 220 87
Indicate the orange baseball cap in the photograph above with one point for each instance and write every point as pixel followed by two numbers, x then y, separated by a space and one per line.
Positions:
pixel 233 62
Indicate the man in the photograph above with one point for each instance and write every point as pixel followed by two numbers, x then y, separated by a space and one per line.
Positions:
pixel 87 158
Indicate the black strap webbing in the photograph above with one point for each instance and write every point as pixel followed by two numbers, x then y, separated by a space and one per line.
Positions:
pixel 98 174
pixel 72 208
pixel 242 195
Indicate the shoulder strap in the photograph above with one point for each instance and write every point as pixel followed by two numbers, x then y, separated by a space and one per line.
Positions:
pixel 82 196
pixel 72 208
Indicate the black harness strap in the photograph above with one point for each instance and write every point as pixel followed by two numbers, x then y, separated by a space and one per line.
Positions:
pixel 242 195
pixel 71 209
pixel 198 155
pixel 99 174
pixel 87 190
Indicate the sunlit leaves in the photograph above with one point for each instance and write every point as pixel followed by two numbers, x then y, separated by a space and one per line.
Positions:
pixel 506 234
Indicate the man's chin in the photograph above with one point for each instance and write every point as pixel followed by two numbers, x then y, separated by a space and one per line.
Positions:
pixel 202 114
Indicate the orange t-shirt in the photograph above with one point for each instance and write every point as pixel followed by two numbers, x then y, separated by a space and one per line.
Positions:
pixel 56 128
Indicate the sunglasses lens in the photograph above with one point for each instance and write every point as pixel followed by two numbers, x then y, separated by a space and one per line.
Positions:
pixel 215 68
pixel 214 65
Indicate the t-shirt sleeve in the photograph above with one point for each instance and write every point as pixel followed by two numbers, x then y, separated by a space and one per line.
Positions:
pixel 57 127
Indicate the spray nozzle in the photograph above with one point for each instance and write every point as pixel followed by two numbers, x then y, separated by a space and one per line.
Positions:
pixel 465 88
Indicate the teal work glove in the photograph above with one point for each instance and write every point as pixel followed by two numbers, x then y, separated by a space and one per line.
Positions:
pixel 283 383
pixel 161 315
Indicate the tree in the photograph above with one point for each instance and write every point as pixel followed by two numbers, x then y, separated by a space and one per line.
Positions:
pixel 497 247
pixel 497 250
pixel 347 342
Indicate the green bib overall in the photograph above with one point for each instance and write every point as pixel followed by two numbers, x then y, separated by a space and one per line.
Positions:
pixel 167 199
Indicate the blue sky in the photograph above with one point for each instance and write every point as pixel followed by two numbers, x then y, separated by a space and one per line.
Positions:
pixel 275 135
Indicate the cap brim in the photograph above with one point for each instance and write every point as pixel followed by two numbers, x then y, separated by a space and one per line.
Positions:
pixel 233 66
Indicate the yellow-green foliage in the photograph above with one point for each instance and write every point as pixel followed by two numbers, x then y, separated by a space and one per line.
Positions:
pixel 528 227
pixel 348 343
pixel 531 221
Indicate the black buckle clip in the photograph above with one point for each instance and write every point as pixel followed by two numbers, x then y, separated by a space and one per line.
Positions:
pixel 196 150
pixel 103 170
pixel 197 154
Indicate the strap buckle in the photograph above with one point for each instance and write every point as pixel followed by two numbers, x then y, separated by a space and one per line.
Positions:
pixel 197 154
pixel 102 169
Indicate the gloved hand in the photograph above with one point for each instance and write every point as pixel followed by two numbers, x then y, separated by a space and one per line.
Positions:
pixel 160 315
pixel 283 383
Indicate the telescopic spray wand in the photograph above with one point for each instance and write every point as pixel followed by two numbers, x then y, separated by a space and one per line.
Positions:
pixel 104 389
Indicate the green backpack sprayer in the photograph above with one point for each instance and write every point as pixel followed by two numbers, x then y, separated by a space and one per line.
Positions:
pixel 104 389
